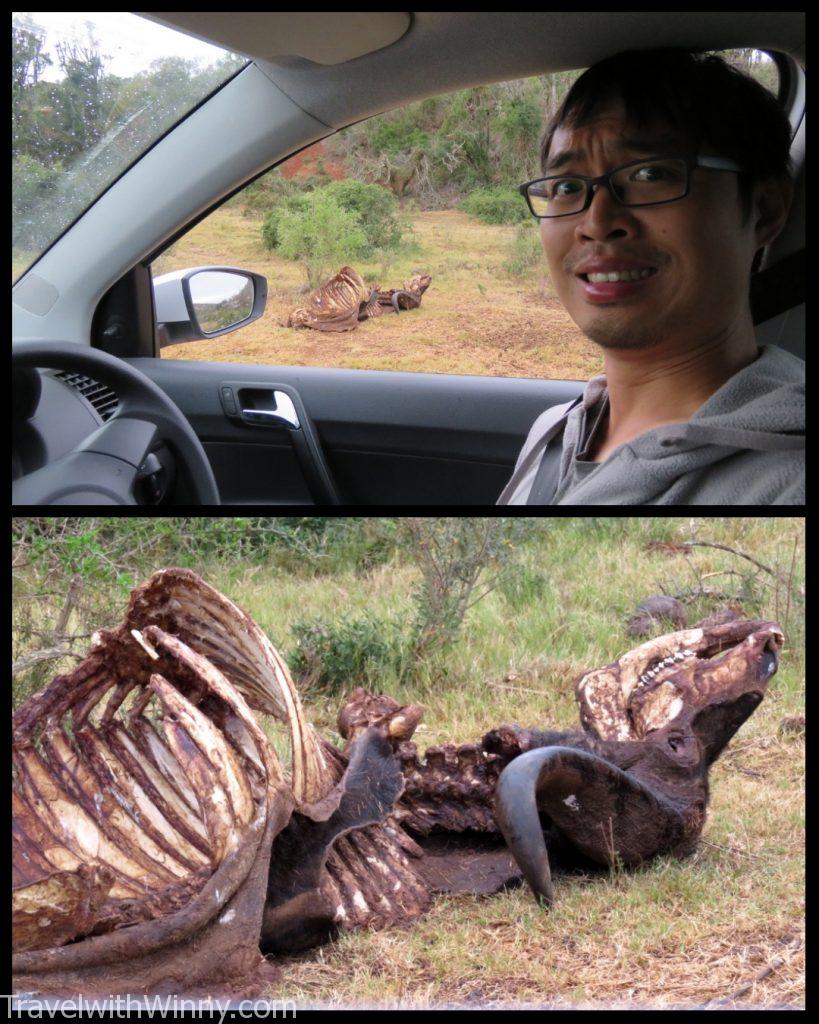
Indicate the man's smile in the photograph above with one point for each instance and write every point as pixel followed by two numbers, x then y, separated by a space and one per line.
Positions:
pixel 607 286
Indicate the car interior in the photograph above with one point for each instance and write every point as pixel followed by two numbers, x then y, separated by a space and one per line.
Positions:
pixel 100 418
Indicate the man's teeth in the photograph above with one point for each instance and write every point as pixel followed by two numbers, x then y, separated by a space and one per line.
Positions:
pixel 620 275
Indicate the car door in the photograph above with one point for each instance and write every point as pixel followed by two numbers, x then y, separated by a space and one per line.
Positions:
pixel 382 437
pixel 362 437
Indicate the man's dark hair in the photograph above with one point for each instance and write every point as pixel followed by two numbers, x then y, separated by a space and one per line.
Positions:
pixel 712 103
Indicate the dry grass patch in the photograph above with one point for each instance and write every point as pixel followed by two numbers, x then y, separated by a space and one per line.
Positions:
pixel 519 961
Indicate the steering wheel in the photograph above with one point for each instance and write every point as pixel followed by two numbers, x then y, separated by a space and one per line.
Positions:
pixel 103 468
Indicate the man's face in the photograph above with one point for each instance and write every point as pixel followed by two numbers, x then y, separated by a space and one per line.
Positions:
pixel 697 246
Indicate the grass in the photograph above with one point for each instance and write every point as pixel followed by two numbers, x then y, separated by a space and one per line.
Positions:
pixel 671 934
pixel 474 319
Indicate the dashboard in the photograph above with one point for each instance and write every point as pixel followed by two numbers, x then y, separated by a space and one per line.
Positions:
pixel 52 415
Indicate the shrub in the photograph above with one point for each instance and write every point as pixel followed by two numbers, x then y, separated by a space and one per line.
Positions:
pixel 377 210
pixel 496 204
pixel 261 195
pixel 321 235
pixel 31 182
pixel 288 203
pixel 398 136
pixel 318 179
pixel 353 651
pixel 519 120
pixel 32 193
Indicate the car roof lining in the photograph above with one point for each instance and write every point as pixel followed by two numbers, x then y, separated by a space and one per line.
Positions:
pixel 320 37
pixel 437 52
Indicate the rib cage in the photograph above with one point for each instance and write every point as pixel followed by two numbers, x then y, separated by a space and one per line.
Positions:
pixel 118 771
pixel 178 601
pixel 147 800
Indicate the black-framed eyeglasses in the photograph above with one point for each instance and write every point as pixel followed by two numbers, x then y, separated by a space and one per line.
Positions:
pixel 648 182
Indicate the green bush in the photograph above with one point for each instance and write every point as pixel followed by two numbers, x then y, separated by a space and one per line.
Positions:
pixel 295 202
pixel 322 236
pixel 261 195
pixel 353 651
pixel 519 120
pixel 31 182
pixel 318 179
pixel 376 208
pixel 496 204
pixel 525 251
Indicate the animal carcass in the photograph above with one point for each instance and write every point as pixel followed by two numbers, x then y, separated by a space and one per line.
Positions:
pixel 159 842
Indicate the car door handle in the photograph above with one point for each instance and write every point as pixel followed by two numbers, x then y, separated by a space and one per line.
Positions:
pixel 279 406
pixel 283 415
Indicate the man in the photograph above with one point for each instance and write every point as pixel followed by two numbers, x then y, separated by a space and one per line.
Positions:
pixel 664 174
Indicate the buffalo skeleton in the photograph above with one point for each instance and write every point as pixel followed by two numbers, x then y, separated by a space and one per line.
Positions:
pixel 158 841
pixel 344 301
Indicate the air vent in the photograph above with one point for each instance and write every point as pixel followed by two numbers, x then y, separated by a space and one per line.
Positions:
pixel 101 397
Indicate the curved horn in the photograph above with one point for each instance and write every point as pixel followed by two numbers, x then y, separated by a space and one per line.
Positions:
pixel 604 812
pixel 518 819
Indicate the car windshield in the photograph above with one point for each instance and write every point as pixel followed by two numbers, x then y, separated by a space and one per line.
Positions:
pixel 90 94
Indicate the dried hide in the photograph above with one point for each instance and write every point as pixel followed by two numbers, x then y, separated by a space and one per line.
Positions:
pixel 336 305
pixel 447 803
pixel 345 300
pixel 631 785
pixel 395 299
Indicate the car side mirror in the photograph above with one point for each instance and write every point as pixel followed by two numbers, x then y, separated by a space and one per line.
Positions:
pixel 204 302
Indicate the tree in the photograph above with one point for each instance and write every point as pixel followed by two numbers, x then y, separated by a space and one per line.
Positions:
pixel 82 98
pixel 28 61
pixel 439 149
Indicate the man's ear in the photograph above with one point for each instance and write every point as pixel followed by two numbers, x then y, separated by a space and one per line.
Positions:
pixel 771 203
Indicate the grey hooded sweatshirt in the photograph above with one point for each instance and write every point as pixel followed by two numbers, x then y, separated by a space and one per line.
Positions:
pixel 744 446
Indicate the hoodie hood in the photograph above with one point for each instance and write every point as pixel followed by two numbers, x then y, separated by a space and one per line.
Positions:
pixel 745 445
